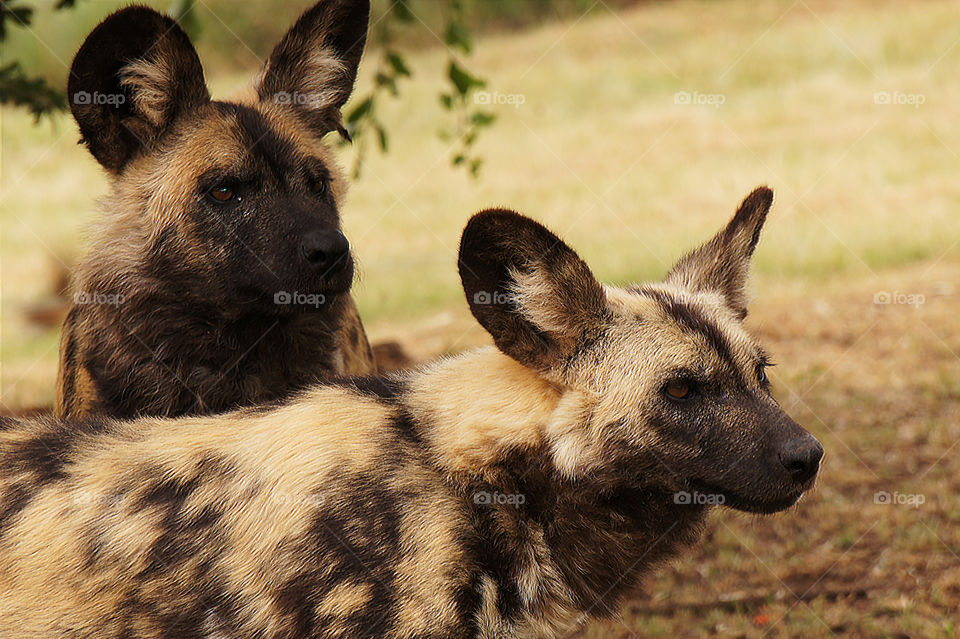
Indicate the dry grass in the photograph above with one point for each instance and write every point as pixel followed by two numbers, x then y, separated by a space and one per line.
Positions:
pixel 867 201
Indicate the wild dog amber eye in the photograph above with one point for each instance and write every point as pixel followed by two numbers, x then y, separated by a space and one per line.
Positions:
pixel 222 193
pixel 677 390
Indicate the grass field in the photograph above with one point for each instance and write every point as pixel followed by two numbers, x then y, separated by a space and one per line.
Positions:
pixel 638 133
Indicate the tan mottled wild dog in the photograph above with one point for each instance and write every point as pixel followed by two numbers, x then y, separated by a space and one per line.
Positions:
pixel 219 276
pixel 509 492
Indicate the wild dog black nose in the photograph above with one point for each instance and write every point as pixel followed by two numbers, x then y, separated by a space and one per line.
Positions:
pixel 326 251
pixel 801 457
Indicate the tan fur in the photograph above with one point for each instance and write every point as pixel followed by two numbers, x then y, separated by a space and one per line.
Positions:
pixel 480 496
pixel 469 441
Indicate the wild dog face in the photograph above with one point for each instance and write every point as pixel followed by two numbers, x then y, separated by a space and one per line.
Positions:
pixel 237 199
pixel 667 387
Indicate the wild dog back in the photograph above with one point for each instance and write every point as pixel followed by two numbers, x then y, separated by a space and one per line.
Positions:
pixel 233 527
pixel 511 491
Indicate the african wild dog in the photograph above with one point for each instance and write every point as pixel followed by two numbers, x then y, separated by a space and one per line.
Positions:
pixel 220 276
pixel 508 492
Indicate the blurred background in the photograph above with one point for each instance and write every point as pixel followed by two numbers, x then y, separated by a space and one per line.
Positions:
pixel 633 129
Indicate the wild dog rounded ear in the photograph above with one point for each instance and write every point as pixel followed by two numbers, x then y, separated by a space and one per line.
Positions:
pixel 722 264
pixel 134 75
pixel 529 290
pixel 313 68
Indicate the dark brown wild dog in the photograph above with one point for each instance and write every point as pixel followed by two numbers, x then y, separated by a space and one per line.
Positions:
pixel 219 276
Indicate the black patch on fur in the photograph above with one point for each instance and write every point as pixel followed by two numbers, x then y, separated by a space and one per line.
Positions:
pixel 387 390
pixel 14 500
pixel 180 543
pixel 200 596
pixel 264 141
pixel 44 456
pixel 406 428
pixel 692 320
pixel 41 460
pixel 162 240
pixel 167 494
pixel 68 365
pixel 495 547
pixel 94 544
pixel 359 542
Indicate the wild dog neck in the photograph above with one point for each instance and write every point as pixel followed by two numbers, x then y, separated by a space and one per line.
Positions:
pixel 475 409
pixel 574 545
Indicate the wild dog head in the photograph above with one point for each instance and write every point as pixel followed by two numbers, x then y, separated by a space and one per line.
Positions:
pixel 235 199
pixel 663 388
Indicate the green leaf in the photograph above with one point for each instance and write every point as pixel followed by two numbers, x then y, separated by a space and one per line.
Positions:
pixel 459 159
pixel 382 136
pixel 360 111
pixel 20 16
pixel 33 93
pixel 401 11
pixel 475 165
pixel 481 119
pixel 446 101
pixel 384 80
pixel 458 36
pixel 462 80
pixel 396 61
